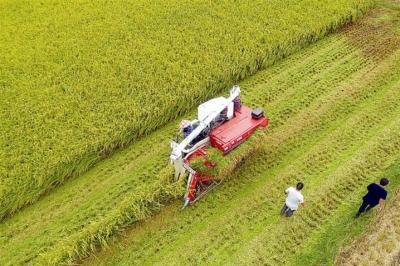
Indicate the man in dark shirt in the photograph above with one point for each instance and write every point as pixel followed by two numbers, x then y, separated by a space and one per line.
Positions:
pixel 376 195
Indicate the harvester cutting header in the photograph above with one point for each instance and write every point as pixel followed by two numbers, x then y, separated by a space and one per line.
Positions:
pixel 222 123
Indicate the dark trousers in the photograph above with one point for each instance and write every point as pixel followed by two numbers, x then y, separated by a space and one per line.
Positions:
pixel 365 206
pixel 286 211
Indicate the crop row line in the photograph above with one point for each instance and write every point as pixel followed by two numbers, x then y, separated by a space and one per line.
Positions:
pixel 380 243
pixel 363 93
pixel 323 156
pixel 366 163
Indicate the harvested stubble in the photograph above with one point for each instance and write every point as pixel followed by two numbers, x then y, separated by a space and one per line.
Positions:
pixel 81 79
pixel 375 155
pixel 379 245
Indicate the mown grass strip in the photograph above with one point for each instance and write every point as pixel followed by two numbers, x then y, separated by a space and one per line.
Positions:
pixel 320 204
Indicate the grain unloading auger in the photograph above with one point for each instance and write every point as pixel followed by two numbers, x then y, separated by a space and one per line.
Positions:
pixel 222 123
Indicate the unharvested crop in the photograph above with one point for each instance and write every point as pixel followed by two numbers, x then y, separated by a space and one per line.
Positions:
pixel 79 79
pixel 317 100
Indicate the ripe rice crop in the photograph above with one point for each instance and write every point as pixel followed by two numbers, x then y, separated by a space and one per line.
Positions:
pixel 80 79
pixel 317 100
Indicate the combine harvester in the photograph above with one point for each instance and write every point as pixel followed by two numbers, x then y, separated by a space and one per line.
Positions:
pixel 222 123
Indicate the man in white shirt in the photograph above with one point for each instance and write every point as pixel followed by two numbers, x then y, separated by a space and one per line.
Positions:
pixel 293 199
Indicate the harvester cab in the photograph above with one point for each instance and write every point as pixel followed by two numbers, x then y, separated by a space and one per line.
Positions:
pixel 222 123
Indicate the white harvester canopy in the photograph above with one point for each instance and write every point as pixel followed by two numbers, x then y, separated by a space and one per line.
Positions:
pixel 208 112
pixel 213 106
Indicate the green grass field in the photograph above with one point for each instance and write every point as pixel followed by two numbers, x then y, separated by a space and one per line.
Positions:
pixel 82 78
pixel 334 125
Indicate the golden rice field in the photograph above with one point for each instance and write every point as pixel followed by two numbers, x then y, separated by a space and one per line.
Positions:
pixel 94 91
pixel 80 79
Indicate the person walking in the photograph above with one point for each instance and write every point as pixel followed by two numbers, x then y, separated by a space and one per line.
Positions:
pixel 293 199
pixel 376 195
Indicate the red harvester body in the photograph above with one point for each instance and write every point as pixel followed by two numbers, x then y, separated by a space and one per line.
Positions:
pixel 225 138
